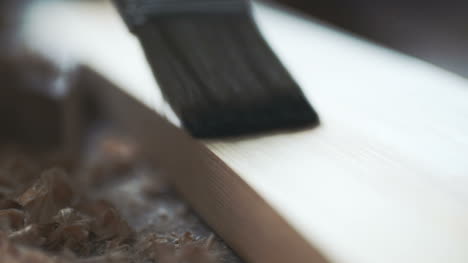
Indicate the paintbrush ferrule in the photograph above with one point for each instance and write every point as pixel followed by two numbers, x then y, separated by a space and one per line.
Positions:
pixel 137 12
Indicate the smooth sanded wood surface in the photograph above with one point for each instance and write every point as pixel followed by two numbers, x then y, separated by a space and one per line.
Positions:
pixel 383 179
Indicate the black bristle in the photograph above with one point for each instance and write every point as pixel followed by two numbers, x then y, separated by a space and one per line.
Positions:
pixel 220 76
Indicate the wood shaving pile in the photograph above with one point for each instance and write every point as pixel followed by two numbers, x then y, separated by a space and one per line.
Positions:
pixel 110 208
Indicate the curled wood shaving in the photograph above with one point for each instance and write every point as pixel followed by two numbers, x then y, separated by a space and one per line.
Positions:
pixel 11 219
pixel 52 213
pixel 46 196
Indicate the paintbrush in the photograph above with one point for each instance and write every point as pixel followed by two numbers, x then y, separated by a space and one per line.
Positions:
pixel 215 69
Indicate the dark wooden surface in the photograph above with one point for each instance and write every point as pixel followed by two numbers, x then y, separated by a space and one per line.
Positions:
pixel 39 105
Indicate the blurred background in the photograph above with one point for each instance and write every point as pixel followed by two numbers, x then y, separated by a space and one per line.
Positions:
pixel 436 31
